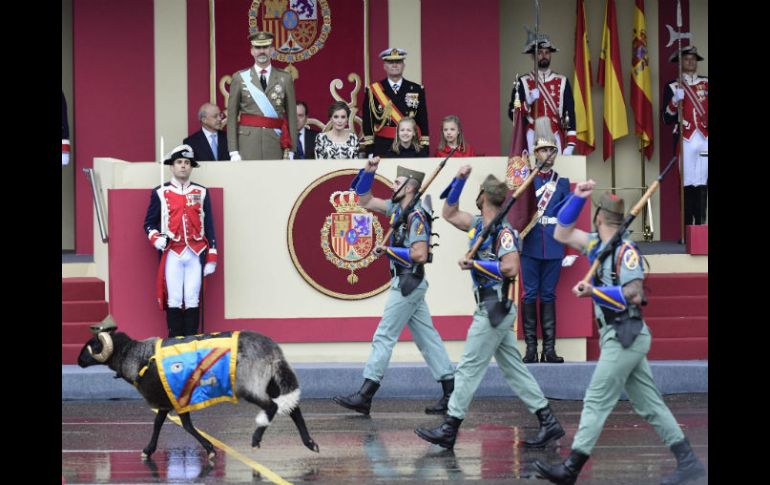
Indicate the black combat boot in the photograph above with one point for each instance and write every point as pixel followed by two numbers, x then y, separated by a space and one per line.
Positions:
pixel 360 401
pixel 529 320
pixel 191 321
pixel 550 429
pixel 444 435
pixel 704 199
pixel 175 322
pixel 548 322
pixel 564 473
pixel 688 467
pixel 448 385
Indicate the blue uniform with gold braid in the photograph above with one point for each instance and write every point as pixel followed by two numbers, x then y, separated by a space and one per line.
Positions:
pixel 485 339
pixel 408 309
pixel 620 368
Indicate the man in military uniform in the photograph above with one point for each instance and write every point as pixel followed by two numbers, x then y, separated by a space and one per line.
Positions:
pixel 541 255
pixel 693 95
pixel 624 341
pixel 491 332
pixel 388 101
pixel 261 108
pixel 551 97
pixel 408 252
pixel 180 224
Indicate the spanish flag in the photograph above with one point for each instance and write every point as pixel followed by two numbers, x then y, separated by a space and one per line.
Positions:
pixel 584 111
pixel 641 90
pixel 615 123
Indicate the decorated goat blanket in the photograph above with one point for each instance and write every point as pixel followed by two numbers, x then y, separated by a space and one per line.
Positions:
pixel 199 370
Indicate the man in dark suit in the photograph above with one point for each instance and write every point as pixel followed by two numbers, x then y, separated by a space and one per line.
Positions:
pixel 388 101
pixel 305 136
pixel 210 142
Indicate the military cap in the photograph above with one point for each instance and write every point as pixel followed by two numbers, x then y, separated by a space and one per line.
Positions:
pixel 393 54
pixel 611 203
pixel 182 151
pixel 261 39
pixel 544 143
pixel 495 189
pixel 544 42
pixel 406 172
pixel 690 49
pixel 106 325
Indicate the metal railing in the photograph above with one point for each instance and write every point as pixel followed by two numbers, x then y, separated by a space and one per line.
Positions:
pixel 97 204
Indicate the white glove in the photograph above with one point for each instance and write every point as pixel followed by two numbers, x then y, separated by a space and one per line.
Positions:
pixel 678 95
pixel 568 260
pixel 209 268
pixel 568 150
pixel 160 243
pixel 235 156
pixel 65 158
pixel 534 95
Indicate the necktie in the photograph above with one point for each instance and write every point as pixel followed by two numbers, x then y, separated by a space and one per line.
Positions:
pixel 395 88
pixel 300 150
pixel 214 146
pixel 262 79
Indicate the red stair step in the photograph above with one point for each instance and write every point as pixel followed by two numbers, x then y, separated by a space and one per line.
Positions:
pixel 678 327
pixel 676 306
pixel 84 311
pixel 76 332
pixel 80 289
pixel 690 348
pixel 70 352
pixel 677 284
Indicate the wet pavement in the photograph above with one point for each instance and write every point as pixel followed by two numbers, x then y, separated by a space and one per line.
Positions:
pixel 102 443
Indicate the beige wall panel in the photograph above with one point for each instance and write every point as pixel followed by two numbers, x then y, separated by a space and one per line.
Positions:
pixel 170 37
pixel 404 31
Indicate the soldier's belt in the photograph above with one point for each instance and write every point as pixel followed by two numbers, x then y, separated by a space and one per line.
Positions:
pixel 387 132
pixel 487 294
pixel 399 270
pixel 547 220
pixel 260 121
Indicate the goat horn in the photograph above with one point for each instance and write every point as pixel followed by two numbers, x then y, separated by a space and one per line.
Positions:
pixel 106 352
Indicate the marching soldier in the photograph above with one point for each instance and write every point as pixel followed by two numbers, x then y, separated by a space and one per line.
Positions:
pixel 180 224
pixel 408 253
pixel 491 332
pixel 261 108
pixel 388 101
pixel 695 118
pixel 551 97
pixel 624 341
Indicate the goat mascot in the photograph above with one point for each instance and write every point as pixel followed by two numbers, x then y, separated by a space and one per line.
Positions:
pixel 188 373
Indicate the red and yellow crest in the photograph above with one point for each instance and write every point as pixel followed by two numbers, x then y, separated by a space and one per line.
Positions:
pixel 517 171
pixel 300 27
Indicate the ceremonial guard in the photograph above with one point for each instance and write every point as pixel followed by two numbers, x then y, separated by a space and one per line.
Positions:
pixel 624 340
pixel 694 96
pixel 541 254
pixel 551 97
pixel 386 102
pixel 408 251
pixel 491 332
pixel 261 109
pixel 180 224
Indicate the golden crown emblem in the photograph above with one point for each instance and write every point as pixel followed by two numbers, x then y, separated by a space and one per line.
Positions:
pixel 345 201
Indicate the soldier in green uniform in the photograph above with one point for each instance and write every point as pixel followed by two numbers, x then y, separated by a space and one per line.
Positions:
pixel 491 333
pixel 624 341
pixel 408 252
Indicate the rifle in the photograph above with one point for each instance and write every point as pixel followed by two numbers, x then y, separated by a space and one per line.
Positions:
pixel 617 238
pixel 404 215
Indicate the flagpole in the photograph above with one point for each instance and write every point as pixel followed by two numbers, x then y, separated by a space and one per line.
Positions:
pixel 646 229
pixel 680 115
pixel 612 162
pixel 366 43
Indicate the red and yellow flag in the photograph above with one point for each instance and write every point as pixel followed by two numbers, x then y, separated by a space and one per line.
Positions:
pixel 615 123
pixel 584 111
pixel 641 88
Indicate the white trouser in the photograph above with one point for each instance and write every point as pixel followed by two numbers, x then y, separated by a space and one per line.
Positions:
pixel 531 141
pixel 696 167
pixel 183 278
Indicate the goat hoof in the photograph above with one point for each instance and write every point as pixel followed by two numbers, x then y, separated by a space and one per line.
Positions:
pixel 146 453
pixel 312 446
pixel 255 443
pixel 212 455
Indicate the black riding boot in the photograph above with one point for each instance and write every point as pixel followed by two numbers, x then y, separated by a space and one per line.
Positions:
pixel 688 467
pixel 564 473
pixel 704 199
pixel 191 321
pixel 548 322
pixel 529 319
pixel 448 385
pixel 550 429
pixel 360 401
pixel 444 435
pixel 175 322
